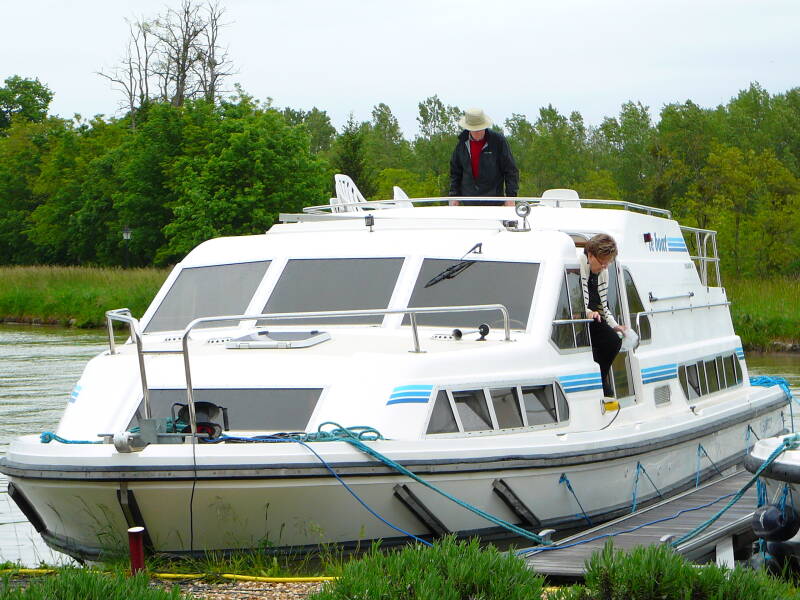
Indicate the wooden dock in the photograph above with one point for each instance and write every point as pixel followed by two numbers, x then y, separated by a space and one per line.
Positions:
pixel 732 528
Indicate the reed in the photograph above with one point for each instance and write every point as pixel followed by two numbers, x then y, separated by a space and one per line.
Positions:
pixel 76 296
pixel 765 310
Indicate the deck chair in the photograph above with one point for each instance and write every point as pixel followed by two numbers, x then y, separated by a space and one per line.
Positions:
pixel 347 195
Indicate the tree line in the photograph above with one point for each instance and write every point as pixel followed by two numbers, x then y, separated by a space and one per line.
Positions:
pixel 188 160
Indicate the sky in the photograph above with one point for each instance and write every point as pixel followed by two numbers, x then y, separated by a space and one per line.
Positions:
pixel 505 56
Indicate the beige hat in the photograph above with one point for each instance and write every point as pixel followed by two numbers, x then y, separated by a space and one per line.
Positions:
pixel 475 119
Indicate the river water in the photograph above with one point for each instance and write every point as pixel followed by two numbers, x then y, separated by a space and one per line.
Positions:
pixel 38 369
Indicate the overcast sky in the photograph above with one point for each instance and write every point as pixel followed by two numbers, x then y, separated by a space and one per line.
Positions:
pixel 507 56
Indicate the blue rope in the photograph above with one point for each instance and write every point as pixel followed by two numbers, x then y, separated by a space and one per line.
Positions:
pixel 791 442
pixel 48 436
pixel 697 471
pixel 769 381
pixel 640 469
pixel 356 436
pixel 761 494
pixel 565 480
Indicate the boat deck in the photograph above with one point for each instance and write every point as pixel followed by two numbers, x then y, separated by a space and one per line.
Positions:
pixel 672 517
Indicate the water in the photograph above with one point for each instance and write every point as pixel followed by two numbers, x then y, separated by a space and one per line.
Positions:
pixel 38 368
pixel 40 365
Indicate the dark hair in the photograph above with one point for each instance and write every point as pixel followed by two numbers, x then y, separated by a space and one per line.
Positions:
pixel 603 246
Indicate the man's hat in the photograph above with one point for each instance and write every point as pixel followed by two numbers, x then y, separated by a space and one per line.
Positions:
pixel 475 119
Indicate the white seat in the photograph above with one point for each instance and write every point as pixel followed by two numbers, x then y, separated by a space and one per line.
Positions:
pixel 348 194
pixel 401 198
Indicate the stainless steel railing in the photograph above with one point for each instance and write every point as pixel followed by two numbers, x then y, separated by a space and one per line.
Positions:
pixel 124 315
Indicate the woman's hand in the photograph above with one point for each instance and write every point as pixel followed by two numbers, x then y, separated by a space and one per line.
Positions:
pixel 593 315
pixel 621 328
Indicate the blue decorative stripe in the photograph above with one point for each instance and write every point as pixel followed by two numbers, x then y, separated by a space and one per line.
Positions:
pixel 583 388
pixel 408 401
pixel 74 395
pixel 661 378
pixel 651 370
pixel 413 388
pixel 740 353
pixel 410 394
pixel 582 376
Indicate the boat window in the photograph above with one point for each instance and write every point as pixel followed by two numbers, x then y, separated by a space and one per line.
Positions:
pixel 482 282
pixel 711 375
pixel 721 373
pixel 737 368
pixel 472 409
pixel 619 376
pixel 701 375
pixel 693 381
pixel 730 373
pixel 506 407
pixel 442 419
pixel 311 285
pixel 207 292
pixel 577 307
pixel 540 407
pixel 252 409
pixel 635 306
pixel 561 404
pixel 563 335
pixel 612 295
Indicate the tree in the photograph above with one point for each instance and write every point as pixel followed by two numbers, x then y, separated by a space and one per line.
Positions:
pixel 350 156
pixel 28 99
pixel 318 125
pixel 386 146
pixel 252 166
pixel 433 147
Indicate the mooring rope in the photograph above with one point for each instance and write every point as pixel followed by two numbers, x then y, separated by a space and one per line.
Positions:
pixel 640 469
pixel 565 480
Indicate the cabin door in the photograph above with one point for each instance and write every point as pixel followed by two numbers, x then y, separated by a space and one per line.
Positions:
pixel 621 369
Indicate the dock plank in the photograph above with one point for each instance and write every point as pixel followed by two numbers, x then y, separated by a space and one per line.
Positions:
pixel 569 555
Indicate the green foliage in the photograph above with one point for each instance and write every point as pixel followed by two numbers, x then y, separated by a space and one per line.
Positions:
pixel 449 570
pixel 84 584
pixel 656 572
pixel 764 310
pixel 25 99
pixel 350 156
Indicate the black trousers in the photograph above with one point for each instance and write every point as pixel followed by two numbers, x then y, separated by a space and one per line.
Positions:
pixel 605 347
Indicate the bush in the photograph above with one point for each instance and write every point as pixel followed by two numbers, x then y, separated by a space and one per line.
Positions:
pixel 658 573
pixel 82 584
pixel 449 570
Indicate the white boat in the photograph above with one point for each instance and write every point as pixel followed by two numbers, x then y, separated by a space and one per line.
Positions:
pixel 346 313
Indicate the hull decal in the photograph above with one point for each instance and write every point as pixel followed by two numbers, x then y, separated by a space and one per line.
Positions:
pixel 410 394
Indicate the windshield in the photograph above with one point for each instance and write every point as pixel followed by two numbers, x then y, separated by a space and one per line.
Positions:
pixel 207 292
pixel 484 282
pixel 312 285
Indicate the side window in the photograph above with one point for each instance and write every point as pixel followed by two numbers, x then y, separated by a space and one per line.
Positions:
pixel 570 306
pixel 540 407
pixel 562 333
pixel 635 306
pixel 710 375
pixel 506 407
pixel 737 368
pixel 442 419
pixel 693 381
pixel 613 292
pixel 472 409
pixel 561 404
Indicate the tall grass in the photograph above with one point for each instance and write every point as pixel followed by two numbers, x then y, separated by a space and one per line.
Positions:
pixel 765 310
pixel 84 584
pixel 74 295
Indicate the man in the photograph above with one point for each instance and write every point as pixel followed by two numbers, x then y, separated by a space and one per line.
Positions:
pixel 599 252
pixel 482 164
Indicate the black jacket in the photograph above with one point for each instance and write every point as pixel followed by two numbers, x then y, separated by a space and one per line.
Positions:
pixel 498 174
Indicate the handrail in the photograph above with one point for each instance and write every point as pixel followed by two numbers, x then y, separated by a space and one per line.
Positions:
pixel 659 299
pixel 124 315
pixel 412 312
pixel 327 209
pixel 675 309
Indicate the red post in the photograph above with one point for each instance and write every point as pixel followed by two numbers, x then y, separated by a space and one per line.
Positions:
pixel 136 545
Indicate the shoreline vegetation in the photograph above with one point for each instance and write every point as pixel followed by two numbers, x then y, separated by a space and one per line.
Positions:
pixel 763 310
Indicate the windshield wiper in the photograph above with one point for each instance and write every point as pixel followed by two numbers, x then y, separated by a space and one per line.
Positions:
pixel 456 269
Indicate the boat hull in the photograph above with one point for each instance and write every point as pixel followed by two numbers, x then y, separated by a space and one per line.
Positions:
pixel 83 503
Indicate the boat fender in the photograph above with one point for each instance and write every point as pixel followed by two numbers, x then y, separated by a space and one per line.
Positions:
pixel 775 524
pixel 126 442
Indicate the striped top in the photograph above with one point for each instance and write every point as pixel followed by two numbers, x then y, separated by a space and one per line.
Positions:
pixel 602 289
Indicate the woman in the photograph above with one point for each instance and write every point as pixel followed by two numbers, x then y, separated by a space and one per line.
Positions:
pixel 599 252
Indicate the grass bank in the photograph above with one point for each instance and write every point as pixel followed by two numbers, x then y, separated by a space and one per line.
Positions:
pixel 764 311
pixel 74 296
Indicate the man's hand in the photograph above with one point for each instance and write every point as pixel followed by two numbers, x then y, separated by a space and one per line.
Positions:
pixel 510 203
pixel 454 203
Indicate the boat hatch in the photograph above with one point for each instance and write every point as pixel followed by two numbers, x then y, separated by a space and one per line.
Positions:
pixel 279 339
